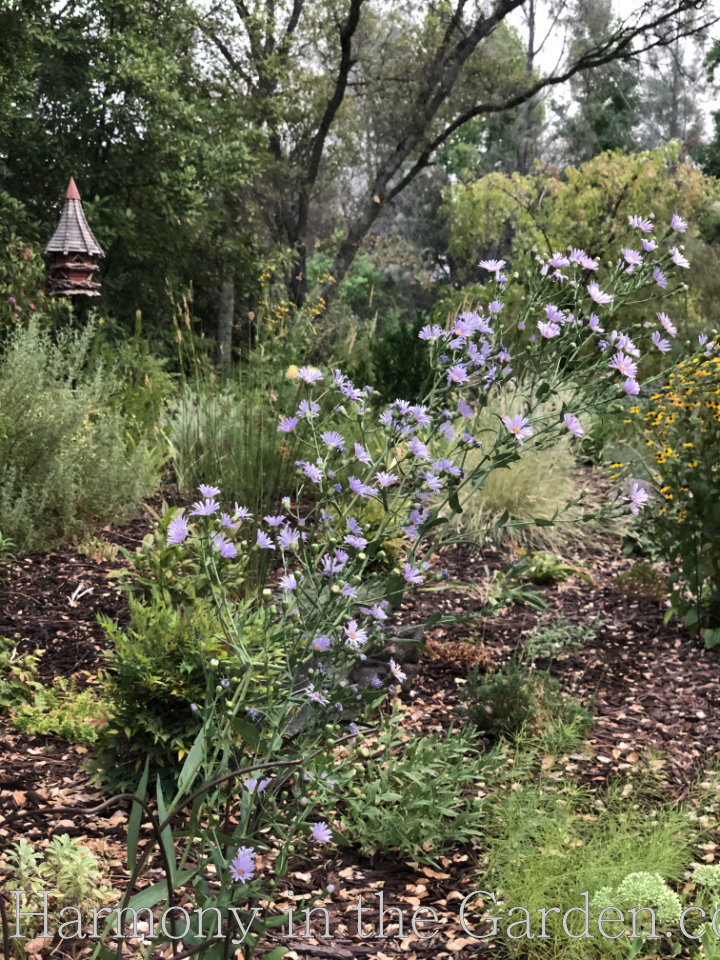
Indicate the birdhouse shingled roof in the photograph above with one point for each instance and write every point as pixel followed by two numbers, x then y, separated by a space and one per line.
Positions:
pixel 73 235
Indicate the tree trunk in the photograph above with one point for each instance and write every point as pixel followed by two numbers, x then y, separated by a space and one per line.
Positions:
pixel 226 318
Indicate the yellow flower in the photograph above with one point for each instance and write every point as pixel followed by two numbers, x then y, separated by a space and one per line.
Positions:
pixel 292 372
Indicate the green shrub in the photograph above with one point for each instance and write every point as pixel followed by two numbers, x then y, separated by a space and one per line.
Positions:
pixel 158 669
pixel 642 581
pixel 18 675
pixel 63 711
pixel 549 638
pixel 416 798
pixel 66 464
pixel 682 433
pixel 517 703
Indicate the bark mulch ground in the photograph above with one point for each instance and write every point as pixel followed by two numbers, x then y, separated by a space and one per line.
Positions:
pixel 651 687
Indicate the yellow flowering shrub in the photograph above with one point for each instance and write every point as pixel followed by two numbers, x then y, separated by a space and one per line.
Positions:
pixel 682 436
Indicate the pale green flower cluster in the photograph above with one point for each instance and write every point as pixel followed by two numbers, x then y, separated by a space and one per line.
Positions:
pixel 640 890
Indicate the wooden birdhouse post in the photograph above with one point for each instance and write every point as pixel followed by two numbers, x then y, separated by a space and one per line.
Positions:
pixel 72 252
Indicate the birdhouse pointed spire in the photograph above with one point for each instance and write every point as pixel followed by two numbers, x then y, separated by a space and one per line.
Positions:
pixel 72 250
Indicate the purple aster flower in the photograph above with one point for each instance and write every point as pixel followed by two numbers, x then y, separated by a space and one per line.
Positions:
pixel 309 374
pixel 678 259
pixel 204 509
pixel 457 374
pixel 553 314
pixel 376 611
pixel 242 868
pixel 310 470
pixel 493 266
pixel 321 833
pixel 648 245
pixel 418 449
pixel 678 224
pixel 350 593
pixel 227 521
pixel 632 257
pixel 209 492
pixel 518 426
pixel 631 387
pixel 287 424
pixel 274 521
pixel 362 454
pixel 353 526
pixel 659 277
pixel 321 644
pixel 638 498
pixel 361 489
pixel 464 409
pixel 309 409
pixel 548 330
pixel 263 541
pixel 702 339
pixel 641 223
pixel 594 323
pixel 662 344
pixel 242 513
pixel 495 306
pixel 193 707
pixel 333 439
pixel 434 483
pixel 573 425
pixel 624 365
pixel 428 332
pixel 356 636
pixel 412 575
pixel 224 547
pixel 225 683
pixel 558 260
pixel 422 417
pixel 397 672
pixel 288 582
pixel 316 695
pixel 354 541
pixel 289 538
pixel 597 294
pixel 376 682
pixel 386 479
pixel 177 530
pixel 667 324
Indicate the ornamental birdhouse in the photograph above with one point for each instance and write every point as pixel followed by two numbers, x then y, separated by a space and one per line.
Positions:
pixel 72 252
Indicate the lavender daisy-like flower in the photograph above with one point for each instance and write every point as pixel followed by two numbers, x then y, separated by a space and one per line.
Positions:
pixel 631 387
pixel 633 258
pixel 242 513
pixel 272 521
pixel 418 449
pixel 667 324
pixel 548 330
pixel 399 674
pixel 362 455
pixel 309 374
pixel 662 344
pixel 204 508
pixel 321 832
pixel 310 470
pixel 376 682
pixel 594 323
pixel 648 245
pixel 659 278
pixel 412 574
pixel 457 374
pixel 638 498
pixel 316 695
pixel 308 409
pixel 492 266
pixel 422 417
pixel 223 546
pixel 624 365
pixel 386 479
pixel 289 538
pixel 242 868
pixel 288 582
pixel 678 224
pixel 321 644
pixel 597 294
pixel 287 424
pixel 360 488
pixel 177 531
pixel 519 427
pixel 209 492
pixel 356 636
pixel 333 439
pixel 432 333
pixel 573 425
pixel 263 541
pixel 357 543
pixel 678 259
pixel 641 223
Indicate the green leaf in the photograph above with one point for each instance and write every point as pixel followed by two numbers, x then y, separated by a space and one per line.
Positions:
pixel 151 896
pixel 712 638
pixel 454 502
pixel 191 765
pixel 543 391
pixel 166 836
pixel 247 730
pixel 135 819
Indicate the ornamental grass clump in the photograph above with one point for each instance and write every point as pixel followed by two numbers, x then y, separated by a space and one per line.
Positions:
pixel 682 436
pixel 298 674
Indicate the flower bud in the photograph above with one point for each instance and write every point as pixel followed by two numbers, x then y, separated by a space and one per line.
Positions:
pixel 214 662
pixel 267 592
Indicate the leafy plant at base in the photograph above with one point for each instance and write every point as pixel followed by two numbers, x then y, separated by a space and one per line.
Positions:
pixel 642 581
pixel 547 568
pixel 549 638
pixel 18 675
pixel 63 711
pixel 516 703
pixel 414 796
